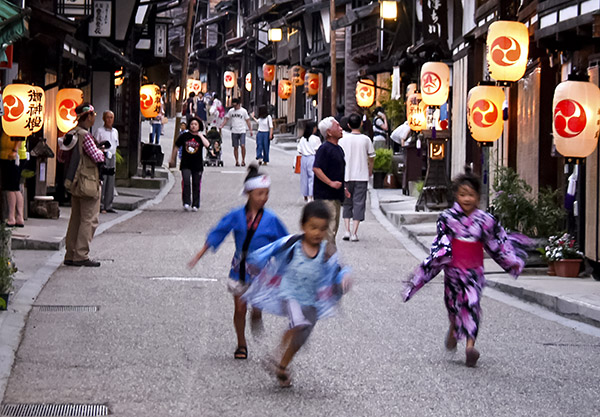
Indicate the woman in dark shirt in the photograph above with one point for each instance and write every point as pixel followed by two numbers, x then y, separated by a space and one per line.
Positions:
pixel 192 163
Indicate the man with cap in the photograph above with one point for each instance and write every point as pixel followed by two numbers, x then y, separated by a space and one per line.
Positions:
pixel 83 181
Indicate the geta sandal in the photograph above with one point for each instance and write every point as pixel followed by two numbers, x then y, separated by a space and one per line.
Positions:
pixel 241 353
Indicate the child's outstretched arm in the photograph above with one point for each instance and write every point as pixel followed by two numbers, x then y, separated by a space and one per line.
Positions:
pixel 199 255
pixel 508 250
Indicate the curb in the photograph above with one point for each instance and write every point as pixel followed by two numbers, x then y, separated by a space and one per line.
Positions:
pixel 11 328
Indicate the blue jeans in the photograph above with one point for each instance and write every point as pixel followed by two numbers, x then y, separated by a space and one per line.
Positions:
pixel 155 134
pixel 262 146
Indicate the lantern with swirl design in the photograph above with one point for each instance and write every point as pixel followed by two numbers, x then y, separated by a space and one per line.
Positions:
pixel 285 89
pixel 311 83
pixel 507 50
pixel 484 113
pixel 23 109
pixel 229 79
pixel 365 92
pixel 150 100
pixel 67 99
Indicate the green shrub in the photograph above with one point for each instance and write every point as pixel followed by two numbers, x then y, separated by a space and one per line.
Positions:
pixel 383 160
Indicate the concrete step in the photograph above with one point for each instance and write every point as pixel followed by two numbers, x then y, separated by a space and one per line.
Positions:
pixel 139 182
pixel 281 138
pixel 159 172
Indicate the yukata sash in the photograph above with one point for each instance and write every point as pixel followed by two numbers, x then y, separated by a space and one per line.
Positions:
pixel 466 255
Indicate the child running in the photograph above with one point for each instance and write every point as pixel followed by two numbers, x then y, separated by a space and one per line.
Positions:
pixel 253 227
pixel 299 277
pixel 463 232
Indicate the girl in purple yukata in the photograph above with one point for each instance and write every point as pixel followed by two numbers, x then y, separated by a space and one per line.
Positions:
pixel 463 232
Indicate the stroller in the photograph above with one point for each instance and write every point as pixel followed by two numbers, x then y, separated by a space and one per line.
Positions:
pixel 213 153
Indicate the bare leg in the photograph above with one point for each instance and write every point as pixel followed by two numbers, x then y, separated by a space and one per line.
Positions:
pixel 347 224
pixel 239 320
pixel 472 355
pixel 235 154
pixel 288 348
pixel 19 208
pixel 243 153
pixel 12 202
pixel 356 223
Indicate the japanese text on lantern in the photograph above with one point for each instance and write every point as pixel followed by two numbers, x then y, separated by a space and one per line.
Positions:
pixel 35 111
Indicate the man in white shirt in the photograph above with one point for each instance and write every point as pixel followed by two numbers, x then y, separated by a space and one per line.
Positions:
pixel 359 155
pixel 108 135
pixel 239 120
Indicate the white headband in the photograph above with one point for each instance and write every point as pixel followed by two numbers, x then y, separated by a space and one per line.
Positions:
pixel 262 181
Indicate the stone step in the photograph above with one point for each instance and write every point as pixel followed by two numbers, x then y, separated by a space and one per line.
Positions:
pixel 280 138
pixel 139 182
pixel 159 172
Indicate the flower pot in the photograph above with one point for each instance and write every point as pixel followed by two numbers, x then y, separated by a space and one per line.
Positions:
pixel 551 269
pixel 390 181
pixel 3 302
pixel 567 267
pixel 378 177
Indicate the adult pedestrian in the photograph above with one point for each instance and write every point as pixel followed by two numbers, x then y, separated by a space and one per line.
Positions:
pixel 264 135
pixel 156 123
pixel 217 112
pixel 190 107
pixel 359 155
pixel 10 171
pixel 329 169
pixel 307 148
pixel 201 107
pixel 192 164
pixel 380 128
pixel 239 120
pixel 107 134
pixel 83 181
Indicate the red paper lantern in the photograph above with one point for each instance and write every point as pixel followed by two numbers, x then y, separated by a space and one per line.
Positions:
pixel 297 75
pixel 67 100
pixel 576 108
pixel 435 83
pixel 23 109
pixel 507 50
pixel 311 84
pixel 248 82
pixel 365 93
pixel 229 79
pixel 285 89
pixel 269 72
pixel 484 113
pixel 150 100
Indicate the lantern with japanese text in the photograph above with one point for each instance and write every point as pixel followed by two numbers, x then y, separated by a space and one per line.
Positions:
pixel 150 100
pixel 269 72
pixel 576 107
pixel 416 112
pixel 297 74
pixel 229 79
pixel 507 50
pixel 435 83
pixel 285 89
pixel 484 112
pixel 67 100
pixel 248 82
pixel 194 86
pixel 410 89
pixel 365 92
pixel 23 109
pixel 311 83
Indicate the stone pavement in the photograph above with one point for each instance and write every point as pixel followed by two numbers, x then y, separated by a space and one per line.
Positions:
pixel 576 298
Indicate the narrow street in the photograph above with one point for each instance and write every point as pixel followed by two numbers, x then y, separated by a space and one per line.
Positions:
pixel 162 340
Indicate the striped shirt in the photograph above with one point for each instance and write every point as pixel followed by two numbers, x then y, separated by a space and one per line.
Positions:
pixel 90 148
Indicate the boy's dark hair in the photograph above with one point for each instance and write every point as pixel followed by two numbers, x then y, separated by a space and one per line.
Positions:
pixel 252 171
pixel 263 112
pixel 308 129
pixel 469 179
pixel 316 209
pixel 200 124
pixel 192 95
pixel 235 101
pixel 340 108
pixel 344 124
pixel 354 121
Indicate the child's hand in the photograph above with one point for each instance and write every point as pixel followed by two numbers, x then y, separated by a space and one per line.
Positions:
pixel 192 263
pixel 346 284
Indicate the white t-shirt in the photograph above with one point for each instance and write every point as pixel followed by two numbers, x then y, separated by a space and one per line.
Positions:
pixel 309 146
pixel 265 124
pixel 358 148
pixel 111 135
pixel 238 119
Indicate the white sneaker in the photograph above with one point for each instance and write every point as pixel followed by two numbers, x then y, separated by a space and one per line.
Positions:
pixel 346 236
pixel 194 208
pixel 354 238
pixel 186 207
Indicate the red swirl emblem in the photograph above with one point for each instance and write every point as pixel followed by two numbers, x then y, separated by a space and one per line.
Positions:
pixel 431 83
pixel 569 118
pixel 66 110
pixel 228 78
pixel 13 108
pixel 485 113
pixel 146 101
pixel 505 51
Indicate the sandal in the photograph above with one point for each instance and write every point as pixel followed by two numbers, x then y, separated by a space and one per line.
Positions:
pixel 472 357
pixel 241 353
pixel 283 376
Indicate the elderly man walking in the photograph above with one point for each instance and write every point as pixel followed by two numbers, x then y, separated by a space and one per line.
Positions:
pixel 109 136
pixel 359 154
pixel 329 169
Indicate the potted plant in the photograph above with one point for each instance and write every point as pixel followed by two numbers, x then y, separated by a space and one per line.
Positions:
pixel 382 165
pixel 563 252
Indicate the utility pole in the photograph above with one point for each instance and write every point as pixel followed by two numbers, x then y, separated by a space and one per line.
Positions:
pixel 183 82
pixel 332 56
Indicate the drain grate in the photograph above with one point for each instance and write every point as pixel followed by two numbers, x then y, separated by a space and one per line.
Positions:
pixel 91 309
pixel 53 410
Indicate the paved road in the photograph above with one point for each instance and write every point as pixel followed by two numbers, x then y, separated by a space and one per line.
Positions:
pixel 165 348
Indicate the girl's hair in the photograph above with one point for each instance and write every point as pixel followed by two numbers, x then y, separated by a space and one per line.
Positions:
pixel 309 127
pixel 316 209
pixel 252 171
pixel 469 179
pixel 263 112
pixel 200 124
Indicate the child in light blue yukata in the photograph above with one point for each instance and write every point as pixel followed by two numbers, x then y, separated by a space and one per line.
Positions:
pixel 298 277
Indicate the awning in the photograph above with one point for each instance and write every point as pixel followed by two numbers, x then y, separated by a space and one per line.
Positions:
pixel 118 57
pixel 14 25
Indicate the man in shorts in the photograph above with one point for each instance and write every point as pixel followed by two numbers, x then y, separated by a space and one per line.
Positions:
pixel 239 120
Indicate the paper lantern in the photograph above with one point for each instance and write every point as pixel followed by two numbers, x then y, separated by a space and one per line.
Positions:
pixel 194 86
pixel 416 112
pixel 507 50
pixel 576 121
pixel 177 92
pixel 297 74
pixel 67 100
pixel 311 83
pixel 229 79
pixel 435 83
pixel 412 87
pixel 119 77
pixel 484 112
pixel 365 92
pixel 248 82
pixel 23 109
pixel 388 10
pixel 285 89
pixel 150 100
pixel 268 72
pixel 275 34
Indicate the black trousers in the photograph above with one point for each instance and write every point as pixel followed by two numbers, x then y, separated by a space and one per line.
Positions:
pixel 191 183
